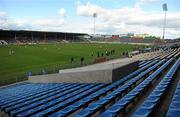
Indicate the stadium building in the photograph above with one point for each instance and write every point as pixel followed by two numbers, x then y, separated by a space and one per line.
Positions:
pixel 23 36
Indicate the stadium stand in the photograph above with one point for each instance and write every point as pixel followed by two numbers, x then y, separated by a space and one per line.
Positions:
pixel 154 98
pixel 121 105
pixel 90 110
pixel 27 37
pixel 97 99
pixel 174 107
pixel 125 101
pixel 34 99
pixel 95 95
pixel 127 40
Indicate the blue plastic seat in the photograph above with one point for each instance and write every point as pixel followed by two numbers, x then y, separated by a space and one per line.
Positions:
pixel 154 98
pixel 149 105
pixel 77 104
pixel 175 104
pixel 143 112
pixel 102 102
pixel 173 113
pixel 115 109
pixel 67 110
pixel 107 114
pixel 56 115
pixel 93 107
pixel 122 102
pixel 84 113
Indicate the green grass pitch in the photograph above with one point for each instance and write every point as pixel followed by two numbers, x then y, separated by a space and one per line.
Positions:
pixel 17 60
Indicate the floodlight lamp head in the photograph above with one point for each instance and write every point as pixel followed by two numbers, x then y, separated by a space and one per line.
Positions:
pixel 165 7
pixel 94 15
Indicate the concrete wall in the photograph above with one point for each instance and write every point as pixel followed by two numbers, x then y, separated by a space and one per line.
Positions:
pixel 104 75
pixel 84 76
pixel 118 73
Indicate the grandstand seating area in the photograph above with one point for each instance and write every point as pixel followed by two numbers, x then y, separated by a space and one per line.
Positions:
pixel 121 98
pixel 174 109
pixel 126 40
pixel 26 37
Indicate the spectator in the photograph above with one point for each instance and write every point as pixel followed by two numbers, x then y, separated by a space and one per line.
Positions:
pixel 102 54
pixel 82 60
pixel 97 54
pixel 113 51
pixel 29 73
pixel 106 53
pixel 72 60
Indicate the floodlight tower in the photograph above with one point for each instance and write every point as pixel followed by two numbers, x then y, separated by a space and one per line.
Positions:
pixel 165 9
pixel 94 16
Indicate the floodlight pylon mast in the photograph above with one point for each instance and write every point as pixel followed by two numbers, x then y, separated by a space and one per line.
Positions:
pixel 94 16
pixel 165 9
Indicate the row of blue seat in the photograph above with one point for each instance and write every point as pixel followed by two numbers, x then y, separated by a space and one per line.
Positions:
pixel 70 89
pixel 28 91
pixel 58 91
pixel 22 88
pixel 120 106
pixel 63 92
pixel 14 103
pixel 85 101
pixel 142 62
pixel 63 101
pixel 174 108
pixel 153 100
pixel 168 55
pixel 3 88
pixel 100 104
pixel 147 62
pixel 47 88
pixel 6 92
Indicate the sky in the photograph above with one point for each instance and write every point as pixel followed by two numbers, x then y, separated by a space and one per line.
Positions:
pixel 113 16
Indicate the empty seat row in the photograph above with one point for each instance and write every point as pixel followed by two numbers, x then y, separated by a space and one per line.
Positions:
pixel 56 87
pixel 85 101
pixel 3 88
pixel 142 62
pixel 24 102
pixel 153 59
pixel 174 108
pixel 101 103
pixel 120 106
pixel 61 94
pixel 15 109
pixel 147 62
pixel 64 100
pixel 153 100
pixel 28 91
